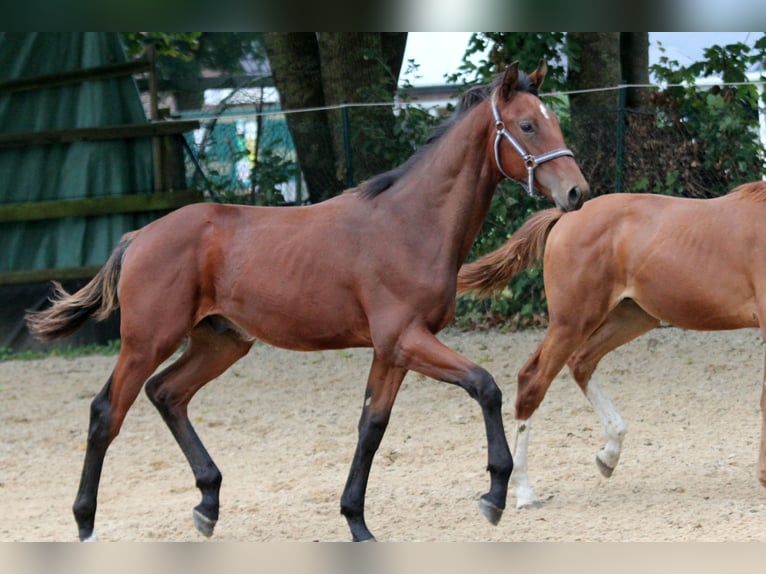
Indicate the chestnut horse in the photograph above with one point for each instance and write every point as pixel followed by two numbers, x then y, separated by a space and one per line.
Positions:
pixel 374 267
pixel 612 272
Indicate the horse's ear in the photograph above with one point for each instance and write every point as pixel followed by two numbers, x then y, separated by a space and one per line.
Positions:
pixel 510 80
pixel 538 75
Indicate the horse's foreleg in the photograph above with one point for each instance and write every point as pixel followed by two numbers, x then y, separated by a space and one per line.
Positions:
pixel 424 353
pixel 534 380
pixel 208 354
pixel 529 395
pixel 525 494
pixel 382 386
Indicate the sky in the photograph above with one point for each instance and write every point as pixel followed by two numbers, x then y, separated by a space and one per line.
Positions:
pixel 440 53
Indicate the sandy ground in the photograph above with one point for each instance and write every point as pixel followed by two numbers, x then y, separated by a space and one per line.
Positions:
pixel 282 428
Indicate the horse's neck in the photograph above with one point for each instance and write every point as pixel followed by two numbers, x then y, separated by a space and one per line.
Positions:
pixel 452 188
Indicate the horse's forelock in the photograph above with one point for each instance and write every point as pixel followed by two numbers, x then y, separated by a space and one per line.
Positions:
pixel 478 94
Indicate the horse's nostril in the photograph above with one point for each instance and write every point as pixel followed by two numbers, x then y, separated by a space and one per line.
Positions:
pixel 575 197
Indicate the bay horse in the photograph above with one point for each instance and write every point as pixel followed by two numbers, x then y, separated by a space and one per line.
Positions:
pixel 373 267
pixel 613 270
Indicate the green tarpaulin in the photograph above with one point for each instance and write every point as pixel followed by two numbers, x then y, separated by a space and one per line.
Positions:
pixel 61 171
pixel 67 170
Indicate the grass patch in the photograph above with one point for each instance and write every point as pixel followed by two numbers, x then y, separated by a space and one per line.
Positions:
pixel 69 352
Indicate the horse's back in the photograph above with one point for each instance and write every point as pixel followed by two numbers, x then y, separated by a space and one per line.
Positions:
pixel 690 262
pixel 284 275
pixel 644 217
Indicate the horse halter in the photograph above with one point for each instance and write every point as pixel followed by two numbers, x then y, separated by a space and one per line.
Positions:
pixel 530 161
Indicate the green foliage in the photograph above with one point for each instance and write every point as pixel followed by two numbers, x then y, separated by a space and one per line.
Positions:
pixel 412 126
pixel 178 45
pixel 190 51
pixel 240 171
pixel 498 49
pixel 271 171
pixel 710 133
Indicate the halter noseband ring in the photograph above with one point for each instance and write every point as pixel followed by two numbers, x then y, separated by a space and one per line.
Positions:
pixel 530 161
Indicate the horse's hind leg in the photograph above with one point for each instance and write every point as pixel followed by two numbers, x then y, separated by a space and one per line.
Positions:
pixel 107 412
pixel 626 322
pixel 213 347
pixel 762 450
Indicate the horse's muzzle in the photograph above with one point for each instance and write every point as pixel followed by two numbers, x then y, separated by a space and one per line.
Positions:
pixel 575 198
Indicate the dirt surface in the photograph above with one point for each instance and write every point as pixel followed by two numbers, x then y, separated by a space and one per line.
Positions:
pixel 282 428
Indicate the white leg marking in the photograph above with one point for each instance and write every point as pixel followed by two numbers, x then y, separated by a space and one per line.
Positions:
pixel 92 537
pixel 525 496
pixel 611 422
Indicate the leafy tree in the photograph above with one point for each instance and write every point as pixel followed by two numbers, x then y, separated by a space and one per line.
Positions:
pixel 180 45
pixel 702 141
pixel 499 49
pixel 594 63
pixel 183 56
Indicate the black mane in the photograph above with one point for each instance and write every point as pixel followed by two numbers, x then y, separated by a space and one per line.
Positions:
pixel 377 184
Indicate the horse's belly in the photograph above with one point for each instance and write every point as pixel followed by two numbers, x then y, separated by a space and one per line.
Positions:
pixel 304 327
pixel 701 310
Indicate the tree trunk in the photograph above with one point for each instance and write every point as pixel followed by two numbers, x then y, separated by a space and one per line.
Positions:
pixel 596 64
pixel 394 44
pixel 331 68
pixel 296 70
pixel 355 70
pixel 634 61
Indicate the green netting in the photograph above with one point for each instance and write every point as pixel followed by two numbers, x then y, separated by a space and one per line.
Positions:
pixel 68 171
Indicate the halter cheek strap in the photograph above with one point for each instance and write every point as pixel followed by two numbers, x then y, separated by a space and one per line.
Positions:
pixel 530 161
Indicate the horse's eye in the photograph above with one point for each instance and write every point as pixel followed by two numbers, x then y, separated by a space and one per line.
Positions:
pixel 526 127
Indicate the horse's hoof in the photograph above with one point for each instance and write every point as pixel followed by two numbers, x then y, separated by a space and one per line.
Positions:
pixel 89 538
pixel 605 470
pixel 203 524
pixel 490 511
